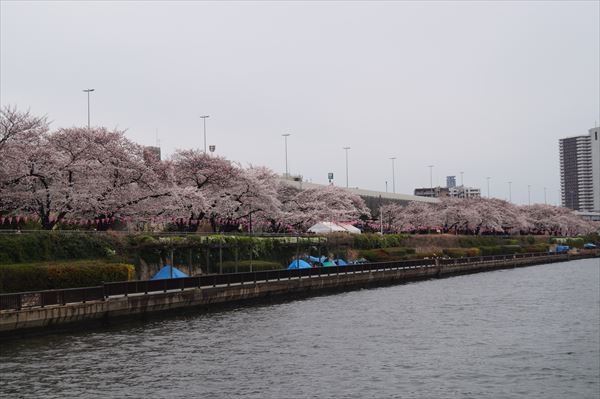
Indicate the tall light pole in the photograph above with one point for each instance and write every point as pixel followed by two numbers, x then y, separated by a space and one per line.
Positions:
pixel 529 194
pixel 431 177
pixel 285 136
pixel 393 175
pixel 204 119
pixel 545 199
pixel 88 91
pixel 462 183
pixel 509 191
pixel 488 186
pixel 346 149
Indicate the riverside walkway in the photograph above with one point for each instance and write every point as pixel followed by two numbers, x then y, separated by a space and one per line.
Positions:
pixel 26 311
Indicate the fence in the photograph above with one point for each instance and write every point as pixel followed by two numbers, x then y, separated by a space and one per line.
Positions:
pixel 21 300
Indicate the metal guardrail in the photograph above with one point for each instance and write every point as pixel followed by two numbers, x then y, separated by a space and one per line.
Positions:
pixel 21 300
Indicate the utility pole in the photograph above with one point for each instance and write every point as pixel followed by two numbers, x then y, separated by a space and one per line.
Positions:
pixel 204 119
pixel 285 136
pixel 88 91
pixel 431 177
pixel 346 149
pixel 393 175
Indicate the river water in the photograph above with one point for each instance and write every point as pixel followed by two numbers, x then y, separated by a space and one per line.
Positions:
pixel 521 333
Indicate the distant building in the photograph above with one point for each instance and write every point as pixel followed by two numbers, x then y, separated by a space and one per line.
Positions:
pixel 151 152
pixel 465 192
pixel 373 199
pixel 592 216
pixel 595 140
pixel 432 192
pixel 450 181
pixel 580 171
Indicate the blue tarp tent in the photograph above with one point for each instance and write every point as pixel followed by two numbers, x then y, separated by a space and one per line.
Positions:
pixel 590 245
pixel 299 264
pixel 165 272
pixel 562 249
pixel 314 259
pixel 341 262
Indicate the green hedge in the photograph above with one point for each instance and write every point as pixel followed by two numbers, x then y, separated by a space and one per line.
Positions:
pixel 500 250
pixel 56 275
pixel 385 254
pixel 541 247
pixel 44 246
pixel 371 241
pixel 461 252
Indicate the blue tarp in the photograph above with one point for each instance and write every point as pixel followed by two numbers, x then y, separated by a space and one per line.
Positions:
pixel 562 248
pixel 165 272
pixel 590 245
pixel 299 264
pixel 341 262
pixel 314 259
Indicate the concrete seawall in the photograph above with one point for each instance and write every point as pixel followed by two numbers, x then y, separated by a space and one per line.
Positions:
pixel 40 319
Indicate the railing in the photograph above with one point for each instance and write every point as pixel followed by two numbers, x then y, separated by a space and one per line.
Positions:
pixel 21 300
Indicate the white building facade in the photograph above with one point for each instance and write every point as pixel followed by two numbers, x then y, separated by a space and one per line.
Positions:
pixel 595 144
pixel 465 192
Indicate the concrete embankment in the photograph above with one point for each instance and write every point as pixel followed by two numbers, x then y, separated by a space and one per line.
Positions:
pixel 41 319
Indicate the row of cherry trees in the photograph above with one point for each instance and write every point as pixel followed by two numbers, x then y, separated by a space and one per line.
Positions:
pixel 97 176
pixel 483 216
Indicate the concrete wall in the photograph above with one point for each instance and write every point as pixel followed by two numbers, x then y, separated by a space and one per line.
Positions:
pixel 14 322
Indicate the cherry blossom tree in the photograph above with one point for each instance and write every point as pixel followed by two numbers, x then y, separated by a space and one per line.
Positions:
pixel 206 180
pixel 303 208
pixel 22 138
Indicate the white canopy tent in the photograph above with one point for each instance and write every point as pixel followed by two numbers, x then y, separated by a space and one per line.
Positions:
pixel 331 227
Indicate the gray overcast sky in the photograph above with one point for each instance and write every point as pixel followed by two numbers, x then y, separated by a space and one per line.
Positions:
pixel 481 87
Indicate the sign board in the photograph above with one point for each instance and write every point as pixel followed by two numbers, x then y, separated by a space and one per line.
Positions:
pixel 330 176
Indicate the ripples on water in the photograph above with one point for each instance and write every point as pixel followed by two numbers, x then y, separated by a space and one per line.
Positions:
pixel 531 332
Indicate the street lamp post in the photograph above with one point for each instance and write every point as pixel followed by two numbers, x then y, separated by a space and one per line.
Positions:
pixel 346 149
pixel 88 91
pixel 285 136
pixel 488 186
pixel 204 119
pixel 431 177
pixel 545 199
pixel 393 175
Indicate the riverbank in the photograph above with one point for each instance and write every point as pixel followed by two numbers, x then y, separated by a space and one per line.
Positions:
pixel 252 286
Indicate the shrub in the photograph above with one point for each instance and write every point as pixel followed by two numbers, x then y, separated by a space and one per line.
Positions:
pixel 57 275
pixel 540 247
pixel 500 250
pixel 461 252
pixel 385 254
pixel 480 241
pixel 372 241
pixel 43 246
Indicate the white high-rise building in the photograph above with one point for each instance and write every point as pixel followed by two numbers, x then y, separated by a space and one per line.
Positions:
pixel 580 171
pixel 595 142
